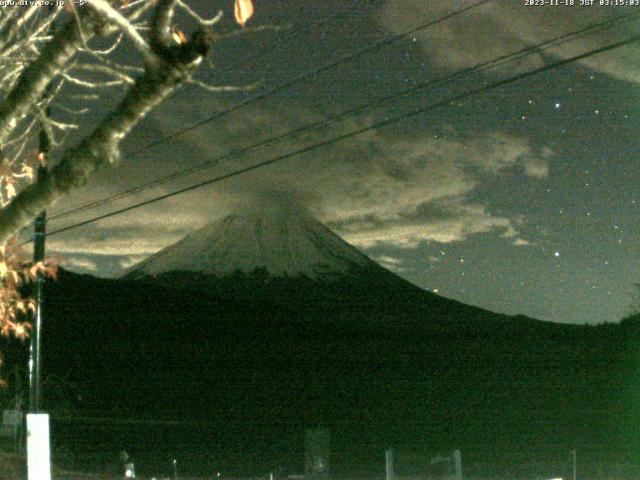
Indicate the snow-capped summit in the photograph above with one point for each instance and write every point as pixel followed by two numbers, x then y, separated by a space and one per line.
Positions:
pixel 275 239
pixel 279 254
pixel 276 252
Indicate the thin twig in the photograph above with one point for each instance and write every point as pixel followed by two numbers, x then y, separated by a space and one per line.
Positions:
pixel 116 18
pixel 205 22
pixel 223 88
pixel 243 31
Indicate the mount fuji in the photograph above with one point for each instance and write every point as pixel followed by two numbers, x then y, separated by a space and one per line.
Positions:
pixel 288 257
pixel 278 241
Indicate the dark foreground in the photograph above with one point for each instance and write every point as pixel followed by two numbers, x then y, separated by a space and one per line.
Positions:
pixel 229 386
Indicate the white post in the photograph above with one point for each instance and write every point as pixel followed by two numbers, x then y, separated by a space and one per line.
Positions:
pixel 457 458
pixel 38 456
pixel 388 455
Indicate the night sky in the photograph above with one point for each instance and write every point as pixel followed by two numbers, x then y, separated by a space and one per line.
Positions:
pixel 522 199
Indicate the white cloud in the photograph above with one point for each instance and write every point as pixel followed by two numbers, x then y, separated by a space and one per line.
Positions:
pixel 505 26
pixel 462 221
pixel 130 261
pixel 388 259
pixel 79 264
pixel 521 242
pixel 390 263
pixel 375 188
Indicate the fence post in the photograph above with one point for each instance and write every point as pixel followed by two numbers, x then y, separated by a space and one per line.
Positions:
pixel 388 455
pixel 457 458
pixel 317 453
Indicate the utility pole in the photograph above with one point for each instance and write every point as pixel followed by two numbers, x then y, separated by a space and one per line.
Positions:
pixel 38 444
pixel 574 454
pixel 40 231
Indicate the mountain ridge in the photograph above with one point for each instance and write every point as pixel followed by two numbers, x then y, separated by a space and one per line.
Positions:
pixel 290 258
pixel 283 243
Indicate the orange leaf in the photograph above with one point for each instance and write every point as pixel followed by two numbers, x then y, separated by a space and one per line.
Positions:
pixel 178 36
pixel 51 271
pixel 21 330
pixel 243 11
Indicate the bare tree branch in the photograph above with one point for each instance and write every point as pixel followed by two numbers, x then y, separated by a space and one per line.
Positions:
pixel 160 35
pixel 92 84
pixel 205 22
pixel 38 75
pixel 101 147
pixel 222 88
pixel 9 28
pixel 116 18
pixel 107 70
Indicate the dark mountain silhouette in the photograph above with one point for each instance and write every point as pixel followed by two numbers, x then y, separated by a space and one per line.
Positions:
pixel 253 355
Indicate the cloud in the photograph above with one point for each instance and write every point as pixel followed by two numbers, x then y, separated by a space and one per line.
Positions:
pixel 521 242
pixel 504 26
pixel 130 261
pixel 376 188
pixel 462 221
pixel 79 264
pixel 390 263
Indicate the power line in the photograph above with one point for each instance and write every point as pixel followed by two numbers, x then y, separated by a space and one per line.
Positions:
pixel 354 133
pixel 295 80
pixel 308 26
pixel 306 75
pixel 554 42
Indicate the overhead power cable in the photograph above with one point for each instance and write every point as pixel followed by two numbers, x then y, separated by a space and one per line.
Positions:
pixel 299 30
pixel 345 136
pixel 307 75
pixel 296 132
